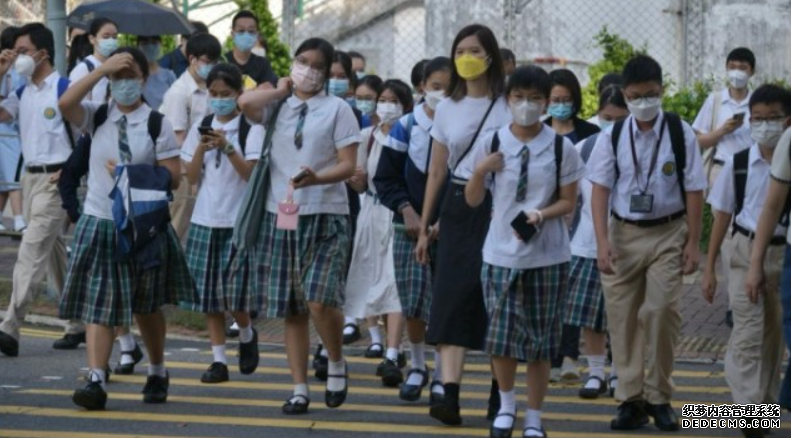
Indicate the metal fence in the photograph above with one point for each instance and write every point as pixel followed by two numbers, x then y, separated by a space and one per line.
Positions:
pixel 19 12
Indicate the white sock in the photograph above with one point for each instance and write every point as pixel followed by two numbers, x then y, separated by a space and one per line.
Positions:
pixel 596 365
pixel 349 320
pixel 246 334
pixel 97 375
pixel 437 368
pixel 418 356
pixel 613 373
pixel 301 389
pixel 392 354
pixel 157 370
pixel 127 344
pixel 376 334
pixel 336 369
pixel 19 222
pixel 507 406
pixel 324 351
pixel 533 419
pixel 219 354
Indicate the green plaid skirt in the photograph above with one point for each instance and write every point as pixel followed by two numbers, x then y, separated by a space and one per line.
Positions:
pixel 525 310
pixel 413 280
pixel 307 265
pixel 103 290
pixel 585 300
pixel 209 254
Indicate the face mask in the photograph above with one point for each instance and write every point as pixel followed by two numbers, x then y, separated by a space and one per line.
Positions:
pixel 526 113
pixel 244 41
pixel 126 91
pixel 351 101
pixel 738 79
pixel 560 111
pixel 223 106
pixel 25 65
pixel 645 109
pixel 259 51
pixel 434 97
pixel 152 51
pixel 389 111
pixel 339 87
pixel 416 97
pixel 766 134
pixel 306 79
pixel 471 67
pixel 604 124
pixel 366 106
pixel 204 70
pixel 360 75
pixel 107 46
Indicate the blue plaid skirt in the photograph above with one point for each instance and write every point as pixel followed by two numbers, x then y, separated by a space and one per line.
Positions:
pixel 585 301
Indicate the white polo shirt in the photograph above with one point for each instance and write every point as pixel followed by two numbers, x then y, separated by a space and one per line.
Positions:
pixel 456 122
pixel 329 126
pixel 419 137
pixel 41 126
pixel 99 91
pixel 551 245
pixel 723 193
pixel 222 188
pixel 737 140
pixel 185 103
pixel 583 244
pixel 104 147
pixel 781 165
pixel 664 181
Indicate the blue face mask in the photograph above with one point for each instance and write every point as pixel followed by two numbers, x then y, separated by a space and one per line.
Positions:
pixel 223 106
pixel 560 111
pixel 366 107
pixel 126 91
pixel 351 101
pixel 245 41
pixel 204 70
pixel 361 75
pixel 107 46
pixel 339 87
pixel 604 124
pixel 152 51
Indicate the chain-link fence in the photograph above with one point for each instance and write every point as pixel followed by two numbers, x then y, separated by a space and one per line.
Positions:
pixel 19 12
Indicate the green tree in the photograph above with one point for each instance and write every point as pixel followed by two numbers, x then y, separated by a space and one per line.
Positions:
pixel 277 52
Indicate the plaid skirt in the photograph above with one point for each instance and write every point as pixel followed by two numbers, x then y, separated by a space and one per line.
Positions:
pixel 219 289
pixel 307 265
pixel 102 290
pixel 585 299
pixel 413 280
pixel 525 310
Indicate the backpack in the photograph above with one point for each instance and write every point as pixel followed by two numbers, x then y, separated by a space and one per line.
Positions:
pixel 63 85
pixel 585 153
pixel 244 128
pixel 558 157
pixel 741 166
pixel 100 116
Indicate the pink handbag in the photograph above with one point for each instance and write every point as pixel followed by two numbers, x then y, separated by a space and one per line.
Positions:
pixel 288 212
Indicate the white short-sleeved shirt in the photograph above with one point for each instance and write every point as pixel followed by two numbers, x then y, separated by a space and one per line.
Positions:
pixel 41 126
pixel 664 181
pixel 781 165
pixel 185 103
pixel 329 126
pixel 583 243
pixel 551 245
pixel 737 140
pixel 455 123
pixel 416 145
pixel 222 188
pixel 99 92
pixel 723 193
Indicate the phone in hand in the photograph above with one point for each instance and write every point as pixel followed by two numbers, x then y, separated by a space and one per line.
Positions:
pixel 298 177
pixel 205 130
pixel 739 117
pixel 525 230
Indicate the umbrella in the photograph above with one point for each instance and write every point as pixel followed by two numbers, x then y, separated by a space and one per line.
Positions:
pixel 134 17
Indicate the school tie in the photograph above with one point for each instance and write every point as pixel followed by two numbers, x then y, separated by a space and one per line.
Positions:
pixel 300 124
pixel 521 187
pixel 123 142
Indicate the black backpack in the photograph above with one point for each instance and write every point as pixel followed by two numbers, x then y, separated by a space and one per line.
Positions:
pixel 558 157
pixel 741 166
pixel 244 128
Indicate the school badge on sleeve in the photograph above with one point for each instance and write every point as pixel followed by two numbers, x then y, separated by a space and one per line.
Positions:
pixel 669 168
pixel 50 113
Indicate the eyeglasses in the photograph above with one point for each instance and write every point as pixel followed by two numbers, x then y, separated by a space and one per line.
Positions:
pixel 767 119
pixel 304 62
pixel 560 100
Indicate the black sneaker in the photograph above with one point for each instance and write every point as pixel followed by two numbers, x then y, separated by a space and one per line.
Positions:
pixel 248 355
pixel 69 342
pixel 129 368
pixel 8 345
pixel 156 389
pixel 321 364
pixel 217 373
pixel 391 373
pixel 92 397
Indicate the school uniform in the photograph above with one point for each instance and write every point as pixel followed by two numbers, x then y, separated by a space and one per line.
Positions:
pixel 209 243
pixel 100 288
pixel 458 316
pixel 524 283
pixel 309 264
pixel 648 238
pixel 99 91
pixel 755 349
pixel 10 147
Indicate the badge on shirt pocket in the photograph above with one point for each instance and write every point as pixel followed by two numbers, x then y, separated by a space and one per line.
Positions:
pixel 641 204
pixel 288 212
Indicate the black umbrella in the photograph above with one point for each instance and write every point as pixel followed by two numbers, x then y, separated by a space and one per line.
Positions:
pixel 134 17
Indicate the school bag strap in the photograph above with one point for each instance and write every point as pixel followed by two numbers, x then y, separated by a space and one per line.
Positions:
pixel 587 148
pixel 558 163
pixel 477 132
pixel 740 168
pixel 89 65
pixel 154 121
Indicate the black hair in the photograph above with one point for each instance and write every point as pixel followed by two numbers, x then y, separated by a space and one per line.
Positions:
pixel 244 14
pixel 495 74
pixel 373 82
pixel 742 54
pixel 98 23
pixel 769 94
pixel 609 80
pixel 157 38
pixel 402 92
pixel 357 55
pixel 7 38
pixel 345 61
pixel 71 31
pixel 612 95
pixel 228 73
pixel 137 55
pixel 530 77
pixel 641 69
pixel 565 78
pixel 204 44
pixel 418 72
pixel 40 36
pixel 440 63
pixel 198 27
pixel 324 47
pixel 80 49
pixel 507 54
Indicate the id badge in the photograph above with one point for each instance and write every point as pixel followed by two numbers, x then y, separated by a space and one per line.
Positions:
pixel 641 204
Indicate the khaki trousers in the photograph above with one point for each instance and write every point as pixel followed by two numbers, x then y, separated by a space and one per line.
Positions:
pixel 755 349
pixel 42 250
pixel 642 307
pixel 181 209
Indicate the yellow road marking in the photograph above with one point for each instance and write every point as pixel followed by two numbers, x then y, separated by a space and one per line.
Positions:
pixel 8 433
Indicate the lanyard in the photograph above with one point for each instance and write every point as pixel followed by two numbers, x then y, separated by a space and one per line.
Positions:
pixel 654 157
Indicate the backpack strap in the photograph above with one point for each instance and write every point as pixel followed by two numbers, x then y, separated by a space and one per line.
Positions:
pixel 88 64
pixel 244 130
pixel 410 123
pixel 100 116
pixel 558 163
pixel 679 151
pixel 155 125
pixel 63 85
pixel 587 147
pixel 740 169
pixel 477 132
pixel 616 135
pixel 19 91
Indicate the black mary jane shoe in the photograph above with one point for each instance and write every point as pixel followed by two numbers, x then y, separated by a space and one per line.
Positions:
pixel 352 337
pixel 542 431
pixel 434 397
pixel 92 397
pixel 293 406
pixel 69 342
pixel 497 432
pixel 412 393
pixel 129 368
pixel 391 373
pixel 375 351
pixel 248 355
pixel 156 389
pixel 334 399
pixel 320 364
pixel 593 393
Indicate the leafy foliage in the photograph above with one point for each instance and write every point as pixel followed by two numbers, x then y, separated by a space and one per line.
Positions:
pixel 277 52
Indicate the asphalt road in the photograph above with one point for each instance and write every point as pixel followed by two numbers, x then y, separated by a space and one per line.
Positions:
pixel 35 401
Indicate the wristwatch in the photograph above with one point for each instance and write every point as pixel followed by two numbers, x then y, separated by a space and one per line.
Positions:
pixel 228 149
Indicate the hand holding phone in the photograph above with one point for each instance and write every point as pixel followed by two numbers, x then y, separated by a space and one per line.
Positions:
pixel 301 174
pixel 524 230
pixel 205 130
pixel 739 117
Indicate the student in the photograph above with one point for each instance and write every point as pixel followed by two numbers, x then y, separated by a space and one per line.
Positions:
pixel 160 79
pixel 416 78
pixel 365 98
pixel 401 184
pixel 532 173
pixel 103 36
pixel 102 288
pixel 565 104
pixel 606 81
pixel 358 64
pixel 256 69
pixel 371 284
pixel 585 300
pixel 653 241
pixel 177 60
pixel 474 107
pixel 342 81
pixel 10 148
pixel 80 47
pixel 509 61
pixel 315 139
pixel 755 349
pixel 46 141
pixel 221 163
pixel 184 104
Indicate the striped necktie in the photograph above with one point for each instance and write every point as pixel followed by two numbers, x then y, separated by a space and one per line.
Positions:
pixel 300 125
pixel 521 187
pixel 123 142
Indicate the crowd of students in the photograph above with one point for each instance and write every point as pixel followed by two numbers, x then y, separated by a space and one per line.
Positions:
pixel 474 209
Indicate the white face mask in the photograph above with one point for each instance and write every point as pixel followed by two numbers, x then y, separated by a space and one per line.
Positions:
pixel 260 51
pixel 25 65
pixel 526 113
pixel 434 97
pixel 388 111
pixel 738 79
pixel 645 109
pixel 766 134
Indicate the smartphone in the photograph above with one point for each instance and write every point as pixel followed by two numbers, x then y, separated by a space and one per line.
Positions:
pixel 205 130
pixel 301 174
pixel 739 117
pixel 525 230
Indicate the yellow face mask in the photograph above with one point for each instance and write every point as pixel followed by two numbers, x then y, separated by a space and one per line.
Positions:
pixel 471 67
